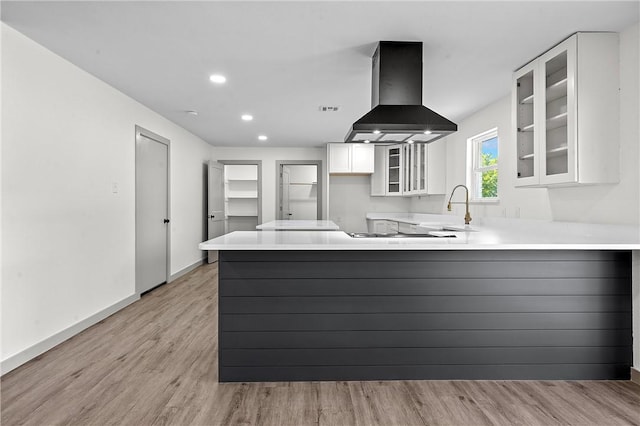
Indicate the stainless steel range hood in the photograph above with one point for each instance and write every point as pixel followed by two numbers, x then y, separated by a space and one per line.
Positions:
pixel 397 113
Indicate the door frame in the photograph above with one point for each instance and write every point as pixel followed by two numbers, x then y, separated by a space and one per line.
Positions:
pixel 141 131
pixel 212 255
pixel 249 163
pixel 318 164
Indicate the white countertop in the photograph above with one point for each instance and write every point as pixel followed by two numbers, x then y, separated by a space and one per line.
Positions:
pixel 299 225
pixel 487 234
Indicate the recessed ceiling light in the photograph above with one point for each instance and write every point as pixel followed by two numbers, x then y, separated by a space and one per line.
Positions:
pixel 376 132
pixel 217 78
pixel 262 137
pixel 427 132
pixel 247 117
pixel 367 141
pixel 409 141
pixel 192 112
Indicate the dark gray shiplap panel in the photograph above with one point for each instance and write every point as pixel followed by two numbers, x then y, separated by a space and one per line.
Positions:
pixel 426 269
pixel 424 286
pixel 428 339
pixel 382 304
pixel 488 311
pixel 428 321
pixel 428 372
pixel 426 356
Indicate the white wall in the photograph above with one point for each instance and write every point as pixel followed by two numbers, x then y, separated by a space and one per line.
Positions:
pixel 349 202
pixel 269 156
pixel 67 240
pixel 618 204
pixel 514 202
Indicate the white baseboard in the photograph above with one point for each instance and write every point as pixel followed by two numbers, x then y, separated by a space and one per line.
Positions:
pixel 188 269
pixel 41 347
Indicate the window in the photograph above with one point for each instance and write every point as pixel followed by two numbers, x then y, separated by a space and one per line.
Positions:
pixel 482 160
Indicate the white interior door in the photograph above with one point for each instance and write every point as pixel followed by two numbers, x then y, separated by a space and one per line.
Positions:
pixel 285 205
pixel 152 211
pixel 215 205
pixel 302 191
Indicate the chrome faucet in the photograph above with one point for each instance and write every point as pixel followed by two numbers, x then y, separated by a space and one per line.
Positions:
pixel 467 215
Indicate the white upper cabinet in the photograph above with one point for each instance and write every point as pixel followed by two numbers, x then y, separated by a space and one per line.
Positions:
pixel 350 158
pixel 565 113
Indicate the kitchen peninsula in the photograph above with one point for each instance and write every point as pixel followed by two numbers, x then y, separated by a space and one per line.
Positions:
pixel 513 300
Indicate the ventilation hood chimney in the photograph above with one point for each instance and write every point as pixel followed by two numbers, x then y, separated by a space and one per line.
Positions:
pixel 397 113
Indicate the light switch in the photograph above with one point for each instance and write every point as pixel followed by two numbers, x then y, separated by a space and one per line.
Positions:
pixel 114 187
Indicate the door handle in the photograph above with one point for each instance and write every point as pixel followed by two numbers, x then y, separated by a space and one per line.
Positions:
pixel 212 216
pixel 290 214
pixel 166 221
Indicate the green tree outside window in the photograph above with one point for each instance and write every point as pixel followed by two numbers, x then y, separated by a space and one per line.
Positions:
pixel 489 183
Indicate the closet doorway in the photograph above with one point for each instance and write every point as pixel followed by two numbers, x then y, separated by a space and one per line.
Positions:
pixel 299 190
pixel 242 195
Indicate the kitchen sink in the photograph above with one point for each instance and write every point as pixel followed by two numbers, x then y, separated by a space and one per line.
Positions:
pixel 395 235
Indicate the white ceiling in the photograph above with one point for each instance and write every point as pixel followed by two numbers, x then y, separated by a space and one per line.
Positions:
pixel 283 60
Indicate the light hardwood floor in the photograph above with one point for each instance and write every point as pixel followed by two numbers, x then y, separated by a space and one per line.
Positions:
pixel 154 362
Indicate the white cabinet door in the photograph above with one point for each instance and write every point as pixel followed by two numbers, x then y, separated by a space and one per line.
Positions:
pixel 339 158
pixel 362 158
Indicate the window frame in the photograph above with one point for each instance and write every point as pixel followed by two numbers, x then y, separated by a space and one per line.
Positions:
pixel 474 169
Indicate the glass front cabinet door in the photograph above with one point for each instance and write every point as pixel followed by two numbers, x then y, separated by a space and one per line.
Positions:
pixel 415 168
pixel 525 102
pixel 558 114
pixel 394 167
